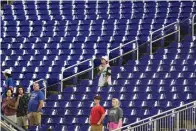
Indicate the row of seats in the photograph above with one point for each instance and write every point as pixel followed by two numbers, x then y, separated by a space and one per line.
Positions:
pixel 175 95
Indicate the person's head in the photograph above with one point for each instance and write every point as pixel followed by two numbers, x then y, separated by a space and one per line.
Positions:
pixel 9 92
pixel 104 59
pixel 97 100
pixel 36 86
pixel 20 90
pixel 7 73
pixel 115 102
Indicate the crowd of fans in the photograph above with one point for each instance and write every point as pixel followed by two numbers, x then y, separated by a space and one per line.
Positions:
pixel 21 108
pixel 25 109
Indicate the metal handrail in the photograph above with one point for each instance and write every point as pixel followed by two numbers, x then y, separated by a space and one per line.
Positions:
pixel 150 119
pixel 11 122
pixel 76 64
pixel 193 30
pixel 120 47
pixel 44 88
pixel 137 48
pixel 76 73
pixel 171 113
pixel 164 27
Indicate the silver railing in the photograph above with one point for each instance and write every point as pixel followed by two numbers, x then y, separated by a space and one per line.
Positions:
pixel 9 125
pixel 44 83
pixel 193 24
pixel 64 79
pixel 182 117
pixel 177 24
pixel 122 45
pixel 92 62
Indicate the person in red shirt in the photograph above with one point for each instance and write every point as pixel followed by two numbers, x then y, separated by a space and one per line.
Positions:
pixel 97 115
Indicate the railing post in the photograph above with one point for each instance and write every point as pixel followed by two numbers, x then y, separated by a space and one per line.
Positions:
pixel 45 84
pixel 193 30
pixel 178 24
pixel 62 80
pixel 92 68
pixel 121 58
pixel 137 50
pixel 150 43
pixel 155 125
pixel 177 122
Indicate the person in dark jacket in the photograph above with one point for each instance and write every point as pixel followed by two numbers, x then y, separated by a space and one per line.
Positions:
pixel 22 101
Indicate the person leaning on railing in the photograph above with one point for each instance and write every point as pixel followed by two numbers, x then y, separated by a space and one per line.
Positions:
pixel 105 72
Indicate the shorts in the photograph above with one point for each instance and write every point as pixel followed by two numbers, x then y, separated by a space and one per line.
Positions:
pixel 113 126
pixel 96 127
pixel 22 121
pixel 35 118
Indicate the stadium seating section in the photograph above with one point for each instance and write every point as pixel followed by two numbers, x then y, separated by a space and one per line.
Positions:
pixel 40 38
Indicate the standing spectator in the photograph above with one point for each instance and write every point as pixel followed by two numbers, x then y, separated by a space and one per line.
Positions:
pixel 97 115
pixel 105 72
pixel 115 116
pixel 35 105
pixel 8 106
pixel 22 107
pixel 9 83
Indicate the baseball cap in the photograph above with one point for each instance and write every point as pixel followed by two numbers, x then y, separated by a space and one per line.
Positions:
pixel 105 58
pixel 7 71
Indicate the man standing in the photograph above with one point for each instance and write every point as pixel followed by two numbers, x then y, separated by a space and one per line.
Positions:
pixel 105 72
pixel 22 106
pixel 97 115
pixel 35 105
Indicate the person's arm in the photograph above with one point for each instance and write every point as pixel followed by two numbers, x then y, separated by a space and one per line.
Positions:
pixel 89 120
pixel 120 123
pixel 41 101
pixel 120 118
pixel 102 111
pixel 108 73
pixel 10 84
pixel 41 104
pixel 101 68
pixel 11 106
pixel 17 101
pixel 101 119
pixel 26 101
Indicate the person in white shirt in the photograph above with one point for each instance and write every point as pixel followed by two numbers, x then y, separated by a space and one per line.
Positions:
pixel 105 72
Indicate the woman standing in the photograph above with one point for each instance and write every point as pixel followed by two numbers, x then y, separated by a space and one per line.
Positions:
pixel 115 115
pixel 8 106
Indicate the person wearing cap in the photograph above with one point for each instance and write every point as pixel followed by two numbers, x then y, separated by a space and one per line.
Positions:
pixel 9 83
pixel 97 115
pixel 105 72
pixel 115 115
